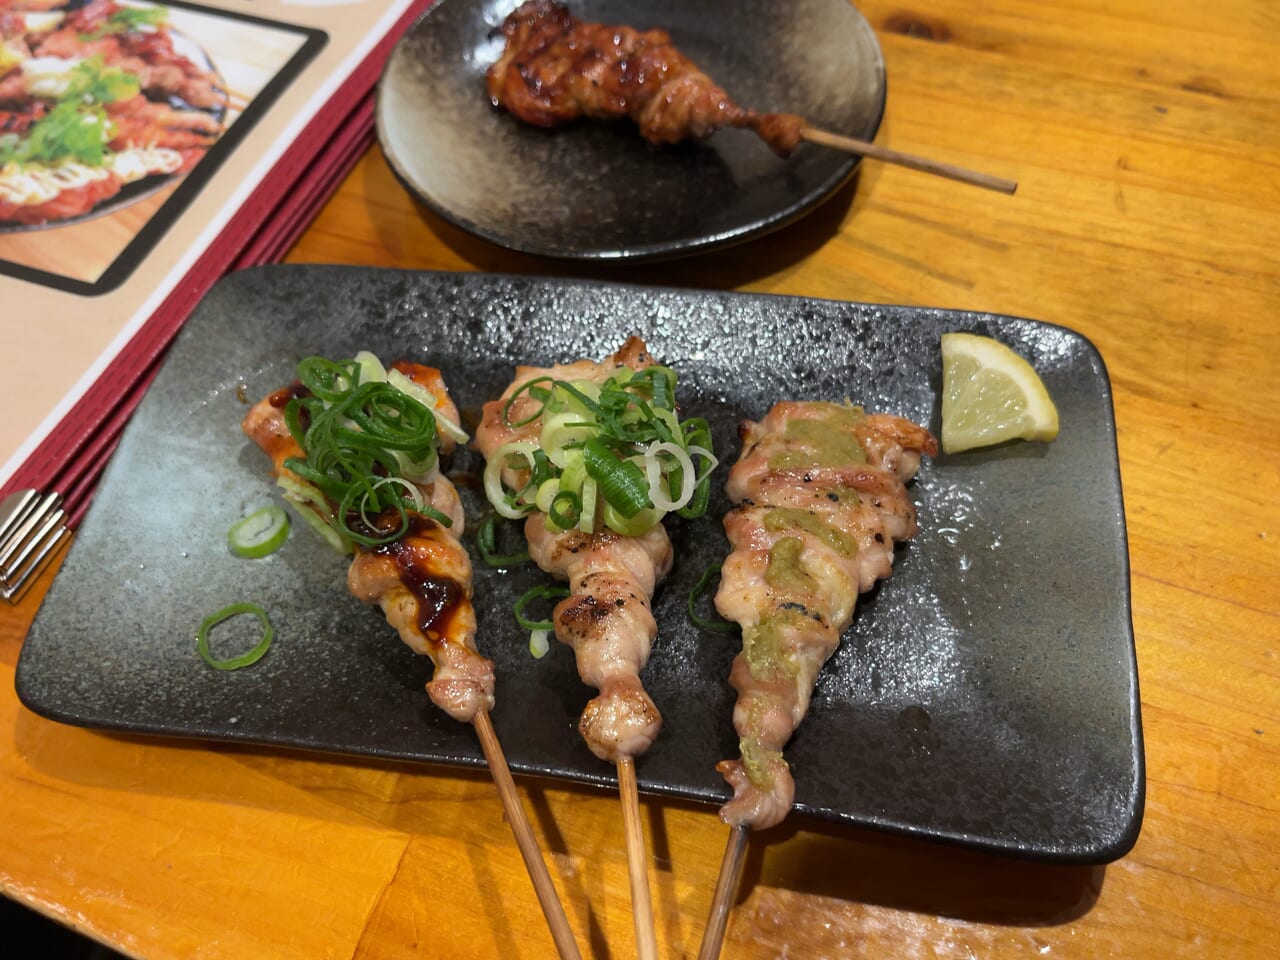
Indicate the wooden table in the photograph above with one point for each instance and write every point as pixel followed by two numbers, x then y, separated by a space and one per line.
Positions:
pixel 1145 138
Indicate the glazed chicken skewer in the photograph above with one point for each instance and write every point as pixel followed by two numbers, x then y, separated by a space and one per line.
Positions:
pixel 580 529
pixel 408 556
pixel 556 68
pixel 821 499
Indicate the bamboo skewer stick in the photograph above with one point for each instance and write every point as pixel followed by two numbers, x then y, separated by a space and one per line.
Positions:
pixel 566 946
pixel 922 164
pixel 726 886
pixel 637 862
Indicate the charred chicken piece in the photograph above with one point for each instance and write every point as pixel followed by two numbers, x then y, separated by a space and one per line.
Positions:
pixel 821 497
pixel 556 68
pixel 606 619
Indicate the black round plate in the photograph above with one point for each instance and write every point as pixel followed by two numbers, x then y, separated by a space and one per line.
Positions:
pixel 597 191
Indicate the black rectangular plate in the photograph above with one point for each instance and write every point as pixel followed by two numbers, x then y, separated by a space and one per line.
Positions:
pixel 986 693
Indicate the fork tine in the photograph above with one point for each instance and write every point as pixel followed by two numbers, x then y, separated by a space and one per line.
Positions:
pixel 44 550
pixel 26 554
pixel 35 514
pixel 14 511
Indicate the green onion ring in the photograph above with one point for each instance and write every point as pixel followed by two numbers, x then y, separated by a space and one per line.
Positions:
pixel 543 592
pixel 226 613
pixel 699 588
pixel 260 533
pixel 591 405
pixel 566 509
pixel 532 387
pixel 328 380
pixel 487 542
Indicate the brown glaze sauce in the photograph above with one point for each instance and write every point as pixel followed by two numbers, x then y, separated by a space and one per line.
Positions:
pixel 438 597
pixel 295 391
pixel 280 399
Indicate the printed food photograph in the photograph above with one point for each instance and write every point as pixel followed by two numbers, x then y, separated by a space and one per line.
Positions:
pixel 97 98
pixel 105 107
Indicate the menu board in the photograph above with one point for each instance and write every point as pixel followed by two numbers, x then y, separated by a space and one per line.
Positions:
pixel 144 146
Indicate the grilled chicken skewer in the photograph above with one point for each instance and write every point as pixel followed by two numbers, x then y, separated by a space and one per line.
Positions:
pixel 606 618
pixel 821 500
pixel 422 581
pixel 556 68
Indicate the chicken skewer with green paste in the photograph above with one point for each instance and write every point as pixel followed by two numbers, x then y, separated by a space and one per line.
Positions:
pixel 821 499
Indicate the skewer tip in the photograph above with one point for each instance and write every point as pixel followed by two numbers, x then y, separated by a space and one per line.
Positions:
pixel 557 922
pixel 726 887
pixel 864 148
pixel 637 862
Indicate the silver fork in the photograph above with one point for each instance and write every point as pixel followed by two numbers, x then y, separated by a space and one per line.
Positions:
pixel 32 528
pixel 34 525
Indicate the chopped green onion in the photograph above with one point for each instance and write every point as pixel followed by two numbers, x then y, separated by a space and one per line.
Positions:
pixel 327 379
pixel 539 630
pixel 622 483
pixel 487 542
pixel 563 433
pixel 546 494
pixel 424 396
pixel 565 509
pixel 368 443
pixel 314 509
pixel 498 497
pixel 718 625
pixel 260 533
pixel 543 592
pixel 633 526
pixel 609 454
pixel 537 391
pixel 371 368
pixel 590 500
pixel 679 464
pixel 226 613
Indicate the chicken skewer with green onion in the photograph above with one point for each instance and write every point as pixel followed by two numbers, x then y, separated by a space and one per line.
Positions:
pixel 356 448
pixel 592 456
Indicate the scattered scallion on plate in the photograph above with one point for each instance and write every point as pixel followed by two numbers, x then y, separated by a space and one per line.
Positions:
pixel 487 544
pixel 226 613
pixel 260 533
pixel 539 630
pixel 703 585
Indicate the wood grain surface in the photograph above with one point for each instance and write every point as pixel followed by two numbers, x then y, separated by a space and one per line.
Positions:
pixel 1143 134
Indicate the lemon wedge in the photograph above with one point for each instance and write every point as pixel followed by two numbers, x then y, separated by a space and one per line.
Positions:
pixel 990 395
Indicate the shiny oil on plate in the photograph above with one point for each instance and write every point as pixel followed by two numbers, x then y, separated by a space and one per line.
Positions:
pixel 597 191
pixel 986 694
